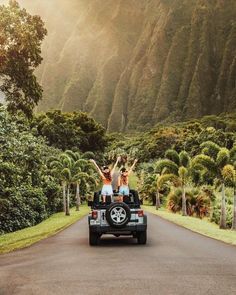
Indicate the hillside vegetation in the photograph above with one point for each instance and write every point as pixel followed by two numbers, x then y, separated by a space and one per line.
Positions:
pixel 131 64
pixel 188 136
pixel 46 158
pixel 186 167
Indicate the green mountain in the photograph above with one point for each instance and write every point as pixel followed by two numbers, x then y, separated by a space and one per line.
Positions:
pixel 131 63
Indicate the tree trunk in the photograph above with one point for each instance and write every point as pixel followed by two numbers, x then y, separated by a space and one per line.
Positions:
pixel 234 211
pixel 68 201
pixel 223 209
pixel 158 202
pixel 64 196
pixel 153 199
pixel 78 202
pixel 184 207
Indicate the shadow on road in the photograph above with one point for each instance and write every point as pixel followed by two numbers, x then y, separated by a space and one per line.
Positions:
pixel 118 242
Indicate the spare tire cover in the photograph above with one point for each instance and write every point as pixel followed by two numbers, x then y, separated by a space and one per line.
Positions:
pixel 118 215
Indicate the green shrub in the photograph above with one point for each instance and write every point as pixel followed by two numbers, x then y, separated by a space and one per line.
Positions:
pixel 22 208
pixel 52 192
pixel 28 193
pixel 197 202
pixel 215 217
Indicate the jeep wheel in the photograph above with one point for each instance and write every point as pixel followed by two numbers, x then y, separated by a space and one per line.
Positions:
pixel 118 215
pixel 93 238
pixel 142 237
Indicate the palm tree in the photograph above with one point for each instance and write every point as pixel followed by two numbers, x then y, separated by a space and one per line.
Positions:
pixel 162 181
pixel 148 183
pixel 149 187
pixel 214 159
pixel 67 172
pixel 176 168
pixel 77 155
pixel 158 199
pixel 233 179
pixel 78 179
pixel 183 173
pixel 229 175
pixel 61 167
pixel 81 172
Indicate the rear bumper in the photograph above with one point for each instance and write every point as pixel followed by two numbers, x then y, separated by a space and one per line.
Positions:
pixel 127 229
pixel 124 230
pixel 109 229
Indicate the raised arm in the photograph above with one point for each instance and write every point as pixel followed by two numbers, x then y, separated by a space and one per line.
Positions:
pixel 114 168
pixel 132 167
pixel 98 169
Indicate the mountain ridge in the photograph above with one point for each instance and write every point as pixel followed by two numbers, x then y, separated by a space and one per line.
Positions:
pixel 132 64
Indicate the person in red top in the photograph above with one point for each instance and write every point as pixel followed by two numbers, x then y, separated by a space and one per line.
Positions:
pixel 123 181
pixel 106 175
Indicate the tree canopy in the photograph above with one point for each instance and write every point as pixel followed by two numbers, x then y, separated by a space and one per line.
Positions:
pixel 74 131
pixel 21 35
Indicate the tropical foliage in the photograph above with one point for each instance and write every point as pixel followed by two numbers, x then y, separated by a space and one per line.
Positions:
pixel 20 39
pixel 73 131
pixel 32 172
pixel 214 161
pixel 175 168
pixel 187 136
pixel 188 167
pixel 73 169
pixel 28 193
pixel 197 202
pixel 191 182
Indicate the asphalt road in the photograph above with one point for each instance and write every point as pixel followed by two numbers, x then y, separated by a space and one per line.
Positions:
pixel 175 261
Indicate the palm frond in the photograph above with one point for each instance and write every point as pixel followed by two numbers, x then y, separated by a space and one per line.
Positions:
pixel 205 161
pixel 229 174
pixel 169 165
pixel 88 155
pixel 210 148
pixel 165 178
pixel 184 159
pixel 66 174
pixel 173 156
pixel 222 158
pixel 183 173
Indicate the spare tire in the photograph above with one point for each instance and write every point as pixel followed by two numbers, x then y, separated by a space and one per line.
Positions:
pixel 118 215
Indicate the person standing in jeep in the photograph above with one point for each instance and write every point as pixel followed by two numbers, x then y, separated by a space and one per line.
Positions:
pixel 106 175
pixel 123 181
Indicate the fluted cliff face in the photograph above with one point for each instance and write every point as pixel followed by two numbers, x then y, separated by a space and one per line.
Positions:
pixel 132 63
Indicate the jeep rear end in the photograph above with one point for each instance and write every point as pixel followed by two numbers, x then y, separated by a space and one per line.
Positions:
pixel 118 218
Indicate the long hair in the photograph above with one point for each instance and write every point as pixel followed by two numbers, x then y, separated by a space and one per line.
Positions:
pixel 124 179
pixel 107 175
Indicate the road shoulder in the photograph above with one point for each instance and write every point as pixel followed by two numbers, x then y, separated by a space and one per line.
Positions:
pixel 49 227
pixel 201 226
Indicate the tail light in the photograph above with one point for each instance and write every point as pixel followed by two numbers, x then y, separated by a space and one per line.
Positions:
pixel 140 213
pixel 94 214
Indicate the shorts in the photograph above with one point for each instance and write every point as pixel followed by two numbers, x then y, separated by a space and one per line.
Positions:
pixel 107 190
pixel 124 190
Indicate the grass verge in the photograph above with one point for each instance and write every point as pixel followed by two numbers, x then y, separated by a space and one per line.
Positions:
pixel 202 226
pixel 28 236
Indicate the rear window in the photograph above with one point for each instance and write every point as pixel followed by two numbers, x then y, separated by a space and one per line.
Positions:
pixel 132 200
